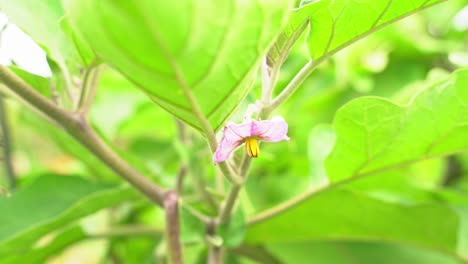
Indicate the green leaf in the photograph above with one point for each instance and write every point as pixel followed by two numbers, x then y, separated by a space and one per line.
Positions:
pixel 233 231
pixel 320 144
pixel 210 48
pixel 297 22
pixel 49 203
pixel 39 255
pixel 40 20
pixel 41 84
pixel 356 252
pixel 374 134
pixel 192 229
pixel 342 22
pixel 339 214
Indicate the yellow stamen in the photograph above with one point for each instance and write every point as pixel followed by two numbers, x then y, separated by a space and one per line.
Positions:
pixel 251 146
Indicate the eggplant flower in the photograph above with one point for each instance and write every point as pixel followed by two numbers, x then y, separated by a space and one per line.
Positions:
pixel 250 133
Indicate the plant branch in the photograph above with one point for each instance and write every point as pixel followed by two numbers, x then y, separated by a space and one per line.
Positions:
pixel 174 246
pixel 78 128
pixel 6 144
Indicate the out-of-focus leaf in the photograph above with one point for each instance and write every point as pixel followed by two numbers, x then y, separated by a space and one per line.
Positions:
pixel 233 231
pixel 40 19
pixel 338 214
pixel 375 134
pixel 321 140
pixel 357 252
pixel 342 22
pixel 49 203
pixel 135 249
pixel 192 229
pixel 211 48
pixel 84 52
pixel 58 244
pixel 116 102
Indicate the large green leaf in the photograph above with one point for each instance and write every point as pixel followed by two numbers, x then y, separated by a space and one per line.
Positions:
pixel 374 134
pixel 49 203
pixel 339 214
pixel 341 22
pixel 210 48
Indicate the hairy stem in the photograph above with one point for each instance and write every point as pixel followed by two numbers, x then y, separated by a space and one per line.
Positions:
pixel 174 246
pixel 6 144
pixel 78 128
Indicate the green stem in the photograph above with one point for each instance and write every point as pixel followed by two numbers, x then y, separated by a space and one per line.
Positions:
pixel 234 192
pixel 78 128
pixel 292 86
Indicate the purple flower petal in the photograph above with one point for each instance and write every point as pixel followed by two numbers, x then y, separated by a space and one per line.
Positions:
pixel 233 137
pixel 273 130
